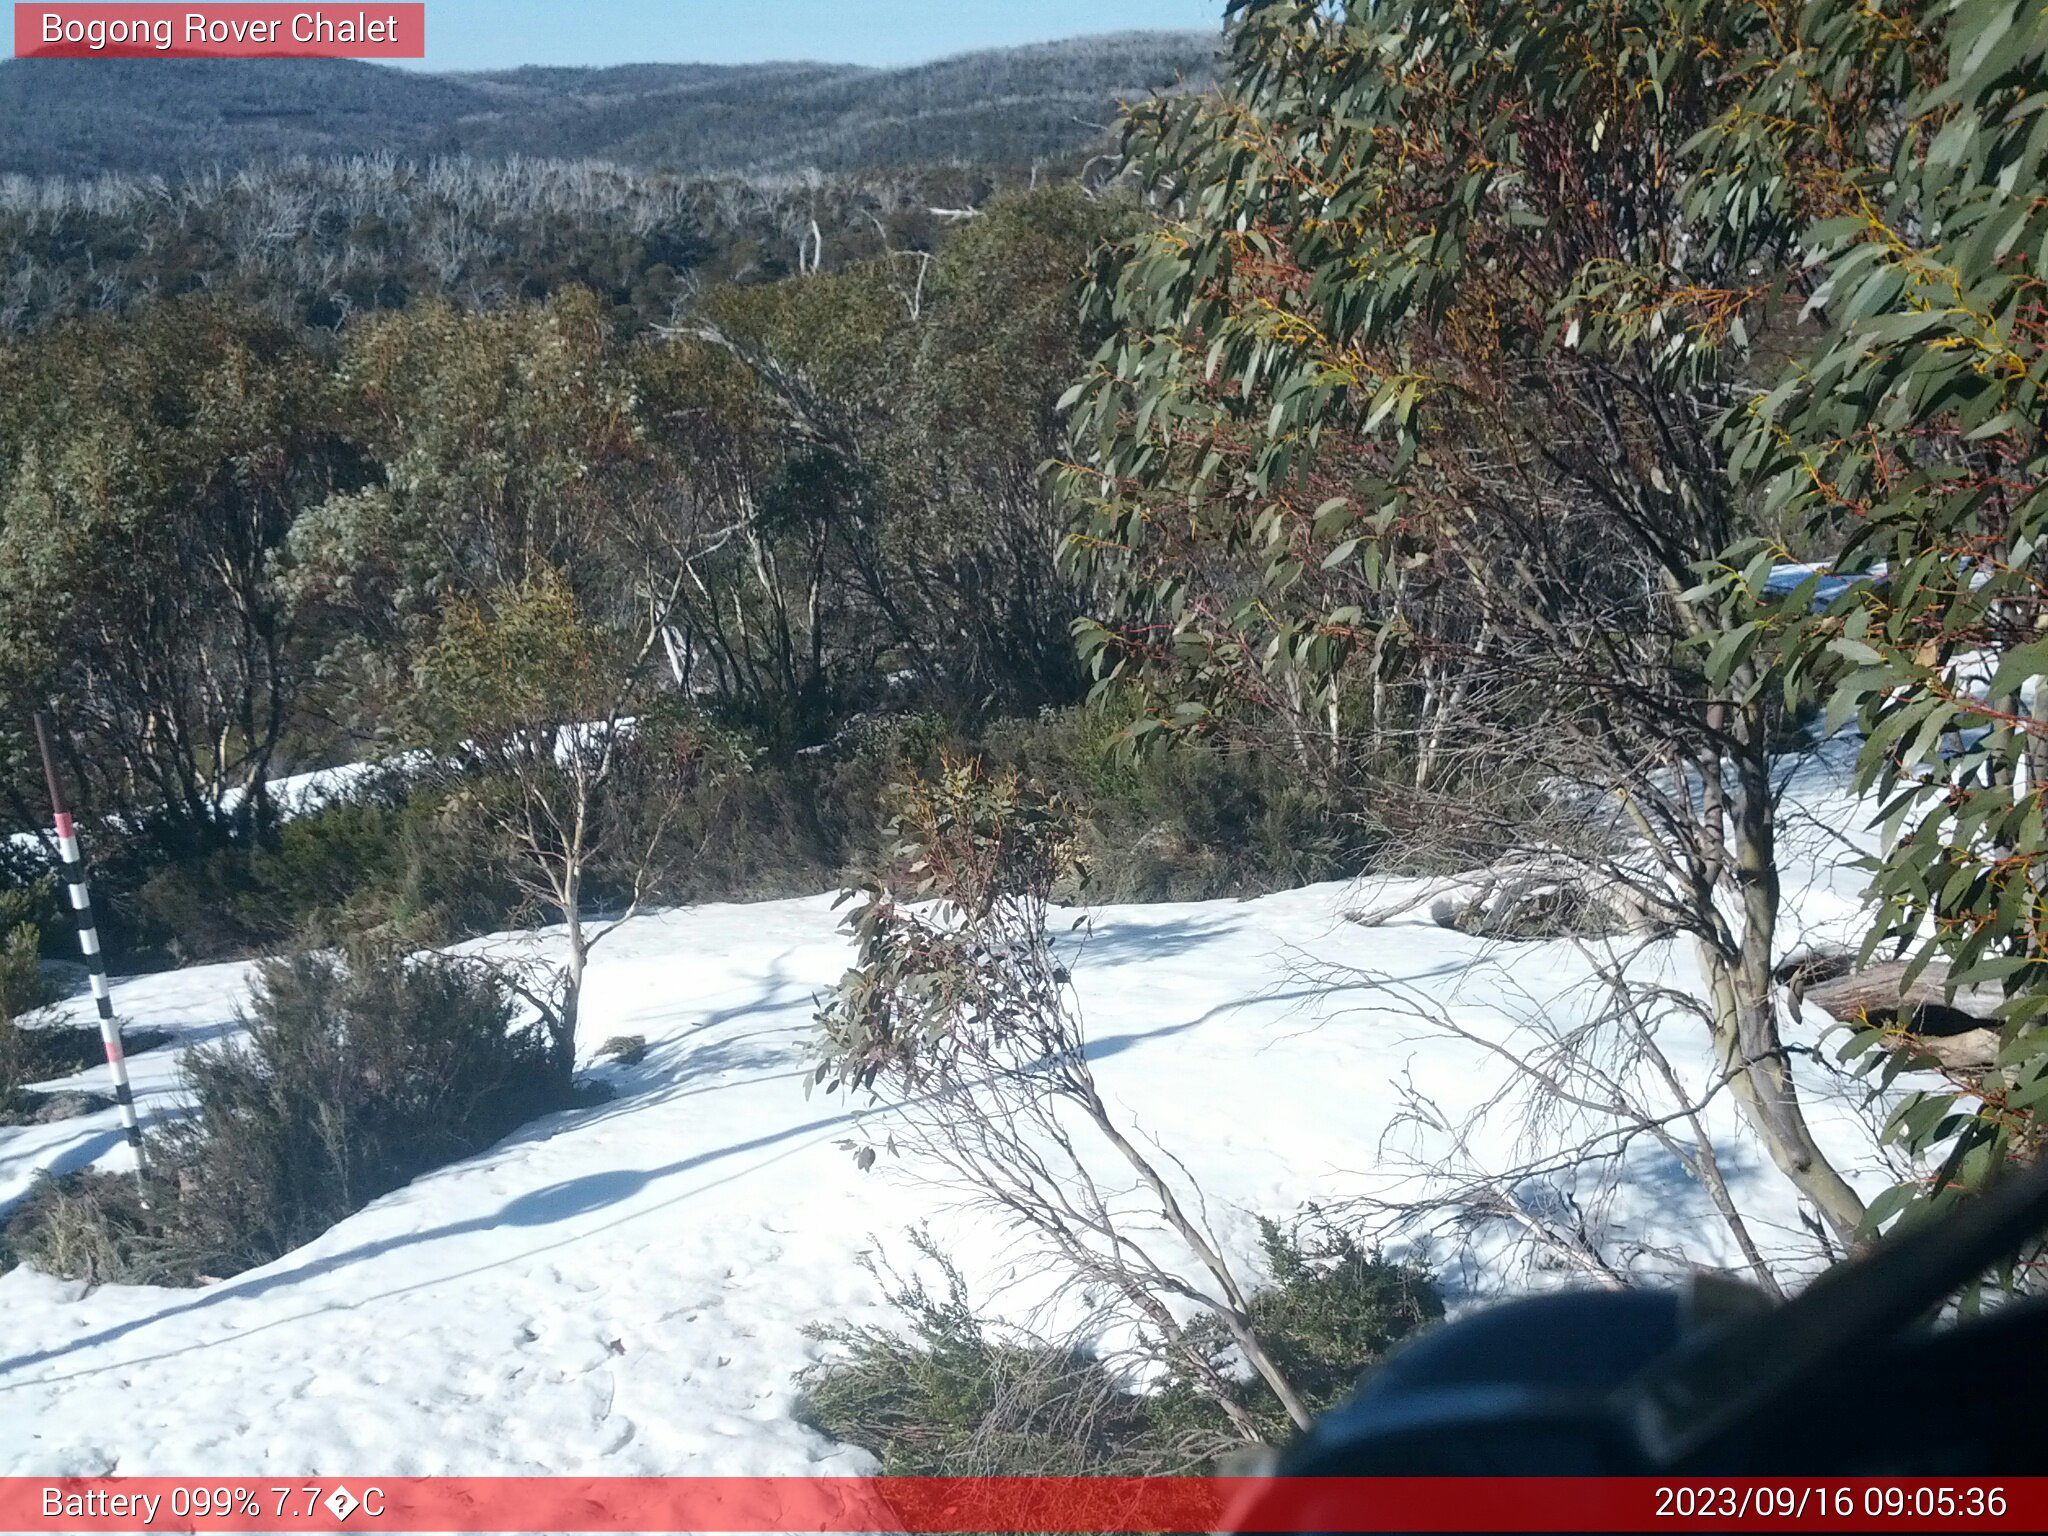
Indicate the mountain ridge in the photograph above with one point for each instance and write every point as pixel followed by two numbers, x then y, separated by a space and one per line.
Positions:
pixel 1039 102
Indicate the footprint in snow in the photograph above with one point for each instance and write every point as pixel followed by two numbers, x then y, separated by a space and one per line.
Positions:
pixel 619 1440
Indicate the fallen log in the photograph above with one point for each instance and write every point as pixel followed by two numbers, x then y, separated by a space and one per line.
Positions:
pixel 1958 1030
pixel 1530 897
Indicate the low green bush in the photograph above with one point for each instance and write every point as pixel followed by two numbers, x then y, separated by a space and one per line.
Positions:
pixel 952 1394
pixel 11 1073
pixel 384 865
pixel 1186 825
pixel 1190 824
pixel 343 867
pixel 1333 1311
pixel 354 1077
pixel 406 866
pixel 446 885
pixel 23 987
pixel 93 1227
pixel 59 1050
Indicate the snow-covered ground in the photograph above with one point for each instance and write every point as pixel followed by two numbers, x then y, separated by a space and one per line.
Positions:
pixel 624 1289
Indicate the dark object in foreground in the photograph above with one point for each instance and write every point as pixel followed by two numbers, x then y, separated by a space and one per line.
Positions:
pixel 1849 1378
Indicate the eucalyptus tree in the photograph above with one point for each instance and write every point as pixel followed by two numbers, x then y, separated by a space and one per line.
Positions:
pixel 1908 439
pixel 492 611
pixel 1408 449
pixel 150 470
pixel 866 452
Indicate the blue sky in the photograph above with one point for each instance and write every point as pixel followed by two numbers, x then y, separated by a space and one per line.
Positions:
pixel 500 34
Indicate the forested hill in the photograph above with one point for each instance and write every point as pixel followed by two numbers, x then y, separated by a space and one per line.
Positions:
pixel 1009 106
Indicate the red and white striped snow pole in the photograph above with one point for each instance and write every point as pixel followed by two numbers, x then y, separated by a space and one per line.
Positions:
pixel 73 860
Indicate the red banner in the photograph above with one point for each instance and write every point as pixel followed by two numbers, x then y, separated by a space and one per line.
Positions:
pixel 359 31
pixel 1073 1505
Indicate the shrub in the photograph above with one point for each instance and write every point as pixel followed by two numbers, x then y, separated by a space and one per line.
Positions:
pixel 339 867
pixel 92 1227
pixel 323 863
pixel 11 1074
pixel 405 866
pixel 1200 821
pixel 384 866
pixel 952 1394
pixel 59 1050
pixel 1334 1309
pixel 120 862
pixel 447 884
pixel 1185 825
pixel 23 988
pixel 770 829
pixel 355 1077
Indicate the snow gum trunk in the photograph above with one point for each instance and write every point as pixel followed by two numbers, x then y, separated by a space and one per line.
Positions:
pixel 1748 1042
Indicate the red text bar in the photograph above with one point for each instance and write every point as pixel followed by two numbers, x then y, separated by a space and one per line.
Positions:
pixel 1072 1505
pixel 360 31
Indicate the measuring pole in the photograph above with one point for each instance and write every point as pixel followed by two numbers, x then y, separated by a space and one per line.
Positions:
pixel 73 860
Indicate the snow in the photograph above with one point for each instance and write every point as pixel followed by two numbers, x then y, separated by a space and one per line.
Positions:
pixel 300 794
pixel 1788 576
pixel 193 1007
pixel 624 1289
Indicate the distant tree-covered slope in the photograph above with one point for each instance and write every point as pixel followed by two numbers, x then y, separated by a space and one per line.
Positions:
pixel 74 117
pixel 315 240
pixel 1046 102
